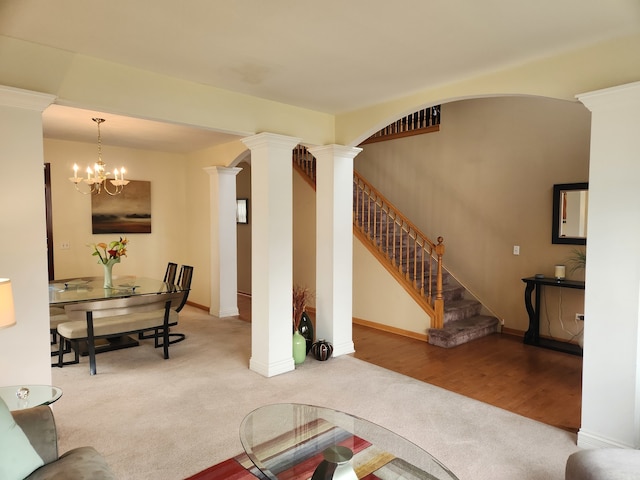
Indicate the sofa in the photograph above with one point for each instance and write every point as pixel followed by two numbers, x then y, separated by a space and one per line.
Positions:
pixel 29 449
pixel 603 464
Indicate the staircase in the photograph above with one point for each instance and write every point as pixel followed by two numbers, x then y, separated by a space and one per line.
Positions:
pixel 414 260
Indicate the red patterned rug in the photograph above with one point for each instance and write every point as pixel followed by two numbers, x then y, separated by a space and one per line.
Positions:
pixel 231 469
pixel 369 462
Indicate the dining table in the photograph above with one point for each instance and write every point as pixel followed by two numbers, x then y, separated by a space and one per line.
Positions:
pixel 87 289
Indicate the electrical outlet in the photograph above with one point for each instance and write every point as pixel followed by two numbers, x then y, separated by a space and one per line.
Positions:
pixel 580 316
pixel 516 249
pixel 65 246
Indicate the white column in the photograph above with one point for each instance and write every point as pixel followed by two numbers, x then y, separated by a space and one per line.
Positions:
pixel 224 248
pixel 334 245
pixel 24 348
pixel 271 252
pixel 611 363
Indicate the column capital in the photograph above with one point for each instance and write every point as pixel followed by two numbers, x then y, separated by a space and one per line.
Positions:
pixel 267 139
pixel 614 98
pixel 17 97
pixel 218 170
pixel 335 151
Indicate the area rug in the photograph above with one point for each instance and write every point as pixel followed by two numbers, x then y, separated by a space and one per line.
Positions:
pixel 240 467
pixel 294 456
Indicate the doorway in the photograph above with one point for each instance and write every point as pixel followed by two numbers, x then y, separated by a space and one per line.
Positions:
pixel 49 220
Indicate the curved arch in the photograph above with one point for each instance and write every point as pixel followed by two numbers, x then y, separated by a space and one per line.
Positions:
pixel 561 77
pixel 408 110
pixel 245 156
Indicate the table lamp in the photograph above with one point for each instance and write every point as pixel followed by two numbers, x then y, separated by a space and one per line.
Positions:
pixel 7 314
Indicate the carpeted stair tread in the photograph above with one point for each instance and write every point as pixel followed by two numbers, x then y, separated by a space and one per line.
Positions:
pixel 458 310
pixel 462 331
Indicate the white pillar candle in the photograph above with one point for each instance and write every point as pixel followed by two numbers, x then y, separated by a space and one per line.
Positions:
pixel 559 272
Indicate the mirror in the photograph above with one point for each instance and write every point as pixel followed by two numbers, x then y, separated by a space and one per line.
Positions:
pixel 570 203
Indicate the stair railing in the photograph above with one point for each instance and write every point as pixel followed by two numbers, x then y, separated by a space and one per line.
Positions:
pixel 406 252
pixel 305 163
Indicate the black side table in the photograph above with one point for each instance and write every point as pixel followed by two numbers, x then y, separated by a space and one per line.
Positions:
pixel 532 336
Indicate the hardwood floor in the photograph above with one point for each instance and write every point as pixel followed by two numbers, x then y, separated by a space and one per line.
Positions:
pixel 499 369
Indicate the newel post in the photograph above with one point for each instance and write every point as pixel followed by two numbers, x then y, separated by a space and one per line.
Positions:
pixel 439 303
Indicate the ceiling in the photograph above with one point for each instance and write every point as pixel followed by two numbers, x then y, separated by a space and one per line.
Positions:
pixel 332 56
pixel 74 124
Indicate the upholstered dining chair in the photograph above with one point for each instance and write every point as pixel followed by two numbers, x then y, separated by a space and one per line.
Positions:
pixel 57 316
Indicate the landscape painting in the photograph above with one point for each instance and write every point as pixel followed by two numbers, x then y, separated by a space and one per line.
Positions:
pixel 128 212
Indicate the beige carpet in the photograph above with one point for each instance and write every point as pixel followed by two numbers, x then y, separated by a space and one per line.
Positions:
pixel 168 419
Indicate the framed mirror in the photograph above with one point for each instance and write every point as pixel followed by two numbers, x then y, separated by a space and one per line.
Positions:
pixel 570 205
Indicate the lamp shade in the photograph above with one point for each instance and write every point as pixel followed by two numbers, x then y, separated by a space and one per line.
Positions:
pixel 7 314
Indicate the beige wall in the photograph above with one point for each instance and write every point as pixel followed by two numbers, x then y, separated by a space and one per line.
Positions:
pixel 197 238
pixel 148 254
pixel 484 183
pixel 243 190
pixel 304 234
pixel 378 298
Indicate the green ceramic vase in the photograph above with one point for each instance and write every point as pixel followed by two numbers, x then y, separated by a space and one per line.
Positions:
pixel 299 348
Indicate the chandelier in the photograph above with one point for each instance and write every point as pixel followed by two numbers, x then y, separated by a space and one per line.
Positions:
pixel 97 178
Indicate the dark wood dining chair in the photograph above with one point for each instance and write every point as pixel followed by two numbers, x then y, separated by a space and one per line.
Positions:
pixel 184 282
pixel 170 274
pixel 169 277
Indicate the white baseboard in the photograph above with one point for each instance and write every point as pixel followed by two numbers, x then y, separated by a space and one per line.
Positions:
pixel 591 440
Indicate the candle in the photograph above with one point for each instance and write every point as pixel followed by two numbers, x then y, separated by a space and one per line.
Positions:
pixel 116 173
pixel 122 173
pixel 559 272
pixel 89 172
pixel 75 171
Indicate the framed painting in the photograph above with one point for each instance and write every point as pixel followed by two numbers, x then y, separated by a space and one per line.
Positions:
pixel 242 210
pixel 128 212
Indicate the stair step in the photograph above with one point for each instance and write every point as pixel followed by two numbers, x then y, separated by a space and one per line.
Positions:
pixel 460 309
pixel 452 292
pixel 463 331
pixel 462 319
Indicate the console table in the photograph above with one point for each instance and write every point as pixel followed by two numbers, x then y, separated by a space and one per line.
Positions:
pixel 532 336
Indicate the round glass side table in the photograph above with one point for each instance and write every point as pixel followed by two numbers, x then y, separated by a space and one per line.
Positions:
pixel 18 397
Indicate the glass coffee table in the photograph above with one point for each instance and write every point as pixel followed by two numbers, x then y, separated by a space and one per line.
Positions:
pixel 293 441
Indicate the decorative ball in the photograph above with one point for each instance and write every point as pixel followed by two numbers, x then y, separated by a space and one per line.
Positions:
pixel 322 350
pixel 22 393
